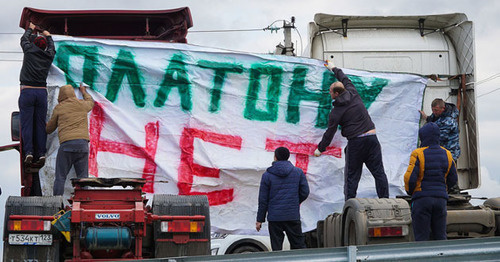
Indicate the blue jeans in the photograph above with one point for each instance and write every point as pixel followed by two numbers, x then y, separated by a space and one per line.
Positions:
pixel 71 153
pixel 33 112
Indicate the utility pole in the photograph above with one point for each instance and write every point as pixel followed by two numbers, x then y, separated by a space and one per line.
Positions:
pixel 287 49
pixel 288 36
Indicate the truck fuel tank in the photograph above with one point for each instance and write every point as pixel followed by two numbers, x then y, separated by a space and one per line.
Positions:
pixel 101 238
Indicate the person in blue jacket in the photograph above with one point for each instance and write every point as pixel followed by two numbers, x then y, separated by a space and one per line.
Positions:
pixel 445 115
pixel 282 188
pixel 429 175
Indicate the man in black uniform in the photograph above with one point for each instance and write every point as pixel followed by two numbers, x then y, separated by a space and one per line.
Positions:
pixel 362 144
pixel 38 52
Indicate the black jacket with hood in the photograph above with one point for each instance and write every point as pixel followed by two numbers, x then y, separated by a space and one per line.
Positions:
pixel 348 111
pixel 36 62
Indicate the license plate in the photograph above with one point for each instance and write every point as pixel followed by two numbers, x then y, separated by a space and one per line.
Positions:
pixel 30 239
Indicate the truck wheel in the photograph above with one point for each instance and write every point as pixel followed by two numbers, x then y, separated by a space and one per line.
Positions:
pixel 311 239
pixel 328 234
pixel 245 249
pixel 176 205
pixel 320 230
pixel 331 231
pixel 42 206
pixel 337 227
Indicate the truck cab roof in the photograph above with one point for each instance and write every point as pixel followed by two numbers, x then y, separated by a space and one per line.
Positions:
pixel 146 25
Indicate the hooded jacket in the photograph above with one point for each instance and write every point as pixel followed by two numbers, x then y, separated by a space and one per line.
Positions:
pixel 36 62
pixel 282 188
pixel 70 115
pixel 348 111
pixel 447 123
pixel 431 170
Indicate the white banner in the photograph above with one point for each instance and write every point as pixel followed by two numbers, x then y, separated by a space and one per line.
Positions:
pixel 197 120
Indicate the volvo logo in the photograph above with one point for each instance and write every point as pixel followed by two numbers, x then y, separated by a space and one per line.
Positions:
pixel 107 216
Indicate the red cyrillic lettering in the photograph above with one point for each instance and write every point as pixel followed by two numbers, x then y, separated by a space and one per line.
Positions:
pixel 188 169
pixel 148 152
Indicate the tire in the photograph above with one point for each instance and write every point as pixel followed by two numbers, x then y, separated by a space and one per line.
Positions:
pixel 186 206
pixel 319 231
pixel 246 249
pixel 328 233
pixel 497 222
pixel 42 206
pixel 311 239
pixel 338 231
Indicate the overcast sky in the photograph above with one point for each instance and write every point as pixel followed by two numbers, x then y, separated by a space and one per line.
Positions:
pixel 226 14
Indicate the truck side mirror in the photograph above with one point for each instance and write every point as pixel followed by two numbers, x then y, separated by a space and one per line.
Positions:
pixel 15 127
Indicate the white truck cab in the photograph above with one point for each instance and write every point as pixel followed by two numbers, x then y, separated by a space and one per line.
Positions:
pixel 440 47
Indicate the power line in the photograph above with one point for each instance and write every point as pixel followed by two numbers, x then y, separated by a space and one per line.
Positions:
pixel 488 79
pixel 484 80
pixel 269 27
pixel 496 89
pixel 497 75
pixel 228 30
pixel 300 37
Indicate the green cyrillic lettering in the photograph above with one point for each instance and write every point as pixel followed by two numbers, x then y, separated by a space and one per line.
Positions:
pixel 90 64
pixel 298 93
pixel 221 71
pixel 176 76
pixel 368 88
pixel 125 65
pixel 272 94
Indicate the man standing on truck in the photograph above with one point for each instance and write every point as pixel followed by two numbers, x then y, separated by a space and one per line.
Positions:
pixel 282 188
pixel 38 52
pixel 430 173
pixel 362 144
pixel 445 116
pixel 70 118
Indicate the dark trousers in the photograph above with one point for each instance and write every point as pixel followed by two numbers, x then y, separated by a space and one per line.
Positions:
pixel 293 230
pixel 428 216
pixel 33 112
pixel 71 153
pixel 364 150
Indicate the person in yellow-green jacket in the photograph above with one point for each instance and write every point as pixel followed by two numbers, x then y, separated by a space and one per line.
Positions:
pixel 70 120
pixel 430 173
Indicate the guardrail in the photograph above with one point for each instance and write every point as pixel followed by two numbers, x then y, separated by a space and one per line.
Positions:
pixel 473 249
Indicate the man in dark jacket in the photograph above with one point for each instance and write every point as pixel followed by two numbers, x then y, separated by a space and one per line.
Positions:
pixel 430 173
pixel 445 115
pixel 362 144
pixel 38 56
pixel 282 188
